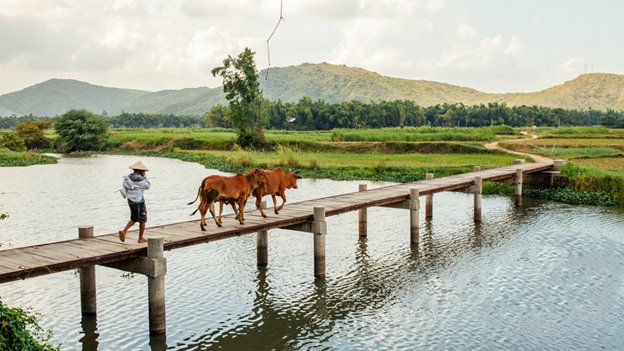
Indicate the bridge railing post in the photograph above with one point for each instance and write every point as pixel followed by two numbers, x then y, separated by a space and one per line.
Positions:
pixel 319 229
pixel 477 199
pixel 477 168
pixel 363 216
pixel 88 295
pixel 156 289
pixel 518 190
pixel 429 201
pixel 414 206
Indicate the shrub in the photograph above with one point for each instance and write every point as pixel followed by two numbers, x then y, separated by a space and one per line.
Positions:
pixel 32 133
pixel 13 142
pixel 80 130
pixel 19 330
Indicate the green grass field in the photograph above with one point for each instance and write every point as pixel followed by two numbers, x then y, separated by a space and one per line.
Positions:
pixel 10 158
pixel 308 160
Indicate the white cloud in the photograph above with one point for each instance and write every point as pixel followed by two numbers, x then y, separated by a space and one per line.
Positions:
pixel 484 55
pixel 535 20
pixel 574 65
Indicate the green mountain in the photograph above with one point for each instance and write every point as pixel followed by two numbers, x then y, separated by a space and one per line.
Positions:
pixel 331 83
pixel 56 96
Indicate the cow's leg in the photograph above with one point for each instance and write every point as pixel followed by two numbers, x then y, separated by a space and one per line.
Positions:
pixel 274 204
pixel 241 208
pixel 259 206
pixel 236 212
pixel 283 196
pixel 221 205
pixel 202 211
pixel 212 210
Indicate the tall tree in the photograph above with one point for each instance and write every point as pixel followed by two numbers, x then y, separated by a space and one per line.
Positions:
pixel 242 90
pixel 80 130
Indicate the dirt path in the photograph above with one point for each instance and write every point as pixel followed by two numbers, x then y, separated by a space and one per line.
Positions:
pixel 537 158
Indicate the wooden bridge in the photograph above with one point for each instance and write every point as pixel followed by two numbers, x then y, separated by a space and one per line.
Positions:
pixel 309 216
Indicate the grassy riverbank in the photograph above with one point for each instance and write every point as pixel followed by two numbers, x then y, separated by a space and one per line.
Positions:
pixel 10 158
pixel 595 154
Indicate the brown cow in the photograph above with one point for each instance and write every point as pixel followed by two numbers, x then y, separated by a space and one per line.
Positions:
pixel 277 182
pixel 235 189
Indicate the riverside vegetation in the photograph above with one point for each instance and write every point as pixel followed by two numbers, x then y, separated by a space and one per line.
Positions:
pixel 406 154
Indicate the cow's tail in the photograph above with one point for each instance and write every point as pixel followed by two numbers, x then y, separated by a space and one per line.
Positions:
pixel 206 199
pixel 198 192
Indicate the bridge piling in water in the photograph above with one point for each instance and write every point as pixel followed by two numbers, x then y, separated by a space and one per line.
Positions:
pixel 518 190
pixel 363 216
pixel 88 294
pixel 414 207
pixel 429 201
pixel 319 229
pixel 156 288
pixel 477 198
pixel 262 243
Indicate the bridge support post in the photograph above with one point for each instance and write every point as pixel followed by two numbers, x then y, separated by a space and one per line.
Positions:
pixel 429 200
pixel 518 183
pixel 262 241
pixel 414 207
pixel 319 229
pixel 363 217
pixel 477 199
pixel 477 168
pixel 156 289
pixel 88 295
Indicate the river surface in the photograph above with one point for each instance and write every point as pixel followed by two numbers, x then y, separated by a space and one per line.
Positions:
pixel 545 276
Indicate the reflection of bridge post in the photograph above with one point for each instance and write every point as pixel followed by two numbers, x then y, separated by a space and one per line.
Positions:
pixel 89 329
pixel 363 217
pixel 88 296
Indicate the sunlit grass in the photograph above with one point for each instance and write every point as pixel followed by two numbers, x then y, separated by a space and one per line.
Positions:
pixel 368 160
pixel 614 163
pixel 10 158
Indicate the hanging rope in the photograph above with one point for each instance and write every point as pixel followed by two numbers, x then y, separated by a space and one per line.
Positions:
pixel 268 51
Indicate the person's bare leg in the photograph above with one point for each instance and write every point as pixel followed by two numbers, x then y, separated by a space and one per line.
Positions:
pixel 141 231
pixel 122 233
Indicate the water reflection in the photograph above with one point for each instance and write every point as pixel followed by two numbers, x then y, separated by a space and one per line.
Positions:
pixel 541 276
pixel 89 330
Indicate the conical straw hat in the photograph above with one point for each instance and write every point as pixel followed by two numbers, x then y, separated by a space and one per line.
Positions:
pixel 140 166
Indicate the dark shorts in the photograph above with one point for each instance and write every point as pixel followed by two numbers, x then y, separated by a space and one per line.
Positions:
pixel 138 212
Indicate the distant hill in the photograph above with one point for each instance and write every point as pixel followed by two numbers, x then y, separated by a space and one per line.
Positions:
pixel 331 83
pixel 56 96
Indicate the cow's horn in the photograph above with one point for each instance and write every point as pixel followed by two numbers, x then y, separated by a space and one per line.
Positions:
pixel 297 171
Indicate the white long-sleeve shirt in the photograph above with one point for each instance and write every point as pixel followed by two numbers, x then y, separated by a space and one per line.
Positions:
pixel 133 190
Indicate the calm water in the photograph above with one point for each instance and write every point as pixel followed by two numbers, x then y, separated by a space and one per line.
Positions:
pixel 547 276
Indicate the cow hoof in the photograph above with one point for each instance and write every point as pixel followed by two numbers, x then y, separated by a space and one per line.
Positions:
pixel 203 229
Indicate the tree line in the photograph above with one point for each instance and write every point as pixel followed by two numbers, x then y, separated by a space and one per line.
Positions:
pixel 319 115
pixel 124 120
pixel 306 114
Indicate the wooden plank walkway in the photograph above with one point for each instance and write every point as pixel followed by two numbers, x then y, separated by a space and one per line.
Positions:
pixel 25 262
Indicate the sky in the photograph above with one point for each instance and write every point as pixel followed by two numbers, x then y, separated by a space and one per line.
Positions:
pixel 494 46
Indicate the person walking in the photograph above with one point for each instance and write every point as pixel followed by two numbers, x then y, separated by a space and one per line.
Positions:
pixel 134 185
